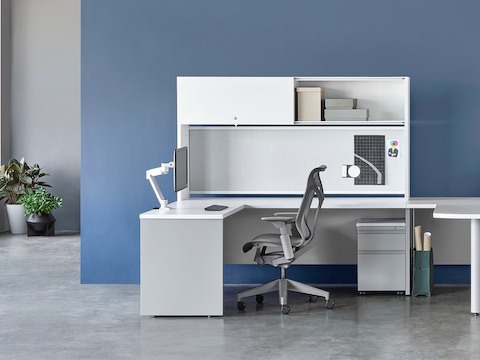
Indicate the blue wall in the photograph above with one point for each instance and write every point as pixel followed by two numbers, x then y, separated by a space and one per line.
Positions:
pixel 133 50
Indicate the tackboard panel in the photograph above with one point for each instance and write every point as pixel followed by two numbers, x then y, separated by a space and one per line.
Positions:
pixel 278 160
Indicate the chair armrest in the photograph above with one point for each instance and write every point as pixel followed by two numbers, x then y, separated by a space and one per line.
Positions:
pixel 285 219
pixel 282 223
pixel 294 214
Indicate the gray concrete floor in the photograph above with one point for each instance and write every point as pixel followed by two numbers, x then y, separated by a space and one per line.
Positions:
pixel 46 314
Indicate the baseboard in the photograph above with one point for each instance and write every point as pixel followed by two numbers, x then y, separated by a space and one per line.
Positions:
pixel 310 274
pixel 329 274
pixel 451 274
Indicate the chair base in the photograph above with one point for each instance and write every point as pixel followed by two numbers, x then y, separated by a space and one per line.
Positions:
pixel 284 285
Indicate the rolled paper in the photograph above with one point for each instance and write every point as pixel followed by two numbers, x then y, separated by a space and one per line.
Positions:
pixel 427 241
pixel 418 238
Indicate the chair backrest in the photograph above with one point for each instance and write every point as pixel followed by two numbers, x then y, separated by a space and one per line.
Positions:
pixel 305 228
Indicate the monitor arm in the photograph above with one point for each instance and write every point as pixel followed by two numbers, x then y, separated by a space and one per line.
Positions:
pixel 161 170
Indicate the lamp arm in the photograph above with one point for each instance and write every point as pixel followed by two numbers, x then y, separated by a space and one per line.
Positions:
pixel 150 175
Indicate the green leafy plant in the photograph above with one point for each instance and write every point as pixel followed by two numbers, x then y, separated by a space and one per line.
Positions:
pixel 17 178
pixel 40 202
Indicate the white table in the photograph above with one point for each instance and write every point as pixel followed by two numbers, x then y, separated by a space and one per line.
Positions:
pixel 181 250
pixel 470 212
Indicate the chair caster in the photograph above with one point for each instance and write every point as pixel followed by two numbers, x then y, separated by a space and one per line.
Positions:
pixel 241 305
pixel 259 299
pixel 329 304
pixel 312 298
pixel 285 309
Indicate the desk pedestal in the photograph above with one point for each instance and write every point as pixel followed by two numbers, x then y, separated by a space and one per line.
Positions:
pixel 181 268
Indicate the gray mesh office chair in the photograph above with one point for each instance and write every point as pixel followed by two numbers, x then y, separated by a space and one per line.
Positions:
pixel 281 250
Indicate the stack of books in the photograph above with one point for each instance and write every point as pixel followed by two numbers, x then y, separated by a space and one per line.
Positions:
pixel 344 110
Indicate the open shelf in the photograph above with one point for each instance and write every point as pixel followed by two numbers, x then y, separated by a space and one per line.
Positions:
pixel 351 123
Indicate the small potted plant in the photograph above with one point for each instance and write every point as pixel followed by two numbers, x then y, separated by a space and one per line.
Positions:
pixel 38 209
pixel 17 178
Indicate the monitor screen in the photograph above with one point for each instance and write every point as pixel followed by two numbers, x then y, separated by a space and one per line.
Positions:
pixel 180 173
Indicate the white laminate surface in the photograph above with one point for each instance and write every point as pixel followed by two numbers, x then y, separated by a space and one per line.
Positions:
pixel 457 211
pixel 431 203
pixel 194 208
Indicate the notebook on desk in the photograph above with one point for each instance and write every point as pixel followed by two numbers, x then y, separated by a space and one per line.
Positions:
pixel 216 207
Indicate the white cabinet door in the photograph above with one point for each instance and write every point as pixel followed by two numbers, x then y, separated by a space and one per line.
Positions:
pixel 235 100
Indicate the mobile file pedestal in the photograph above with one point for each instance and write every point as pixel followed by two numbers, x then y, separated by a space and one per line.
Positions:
pixel 381 255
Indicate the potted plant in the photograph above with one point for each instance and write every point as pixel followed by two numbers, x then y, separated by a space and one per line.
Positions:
pixel 38 209
pixel 17 178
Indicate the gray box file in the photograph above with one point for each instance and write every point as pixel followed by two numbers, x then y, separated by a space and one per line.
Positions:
pixel 340 103
pixel 346 114
pixel 310 104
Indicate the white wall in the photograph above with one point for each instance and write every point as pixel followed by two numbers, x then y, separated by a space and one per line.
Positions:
pixel 45 96
pixel 5 95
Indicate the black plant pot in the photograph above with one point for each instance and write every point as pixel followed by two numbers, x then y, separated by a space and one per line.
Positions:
pixel 43 225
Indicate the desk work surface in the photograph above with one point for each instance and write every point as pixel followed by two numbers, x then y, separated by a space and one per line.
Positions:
pixel 194 208
pixel 432 203
pixel 457 211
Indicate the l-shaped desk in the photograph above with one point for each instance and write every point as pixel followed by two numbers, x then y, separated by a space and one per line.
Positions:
pixel 187 234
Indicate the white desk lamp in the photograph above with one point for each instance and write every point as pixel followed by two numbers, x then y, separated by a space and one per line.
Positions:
pixel 162 170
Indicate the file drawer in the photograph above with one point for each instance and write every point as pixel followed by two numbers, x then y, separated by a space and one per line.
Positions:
pixel 381 235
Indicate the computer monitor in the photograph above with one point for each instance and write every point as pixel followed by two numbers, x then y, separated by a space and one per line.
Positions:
pixel 180 173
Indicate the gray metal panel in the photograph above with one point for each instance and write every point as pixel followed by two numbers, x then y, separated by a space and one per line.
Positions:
pixel 336 232
pixel 381 271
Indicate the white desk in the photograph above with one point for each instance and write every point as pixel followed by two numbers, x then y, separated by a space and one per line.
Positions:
pixel 467 210
pixel 181 250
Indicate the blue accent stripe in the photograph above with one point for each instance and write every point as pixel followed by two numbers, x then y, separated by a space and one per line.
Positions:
pixel 310 274
pixel 451 274
pixel 330 274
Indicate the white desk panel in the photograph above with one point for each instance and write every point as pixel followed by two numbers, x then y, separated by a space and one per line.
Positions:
pixel 194 208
